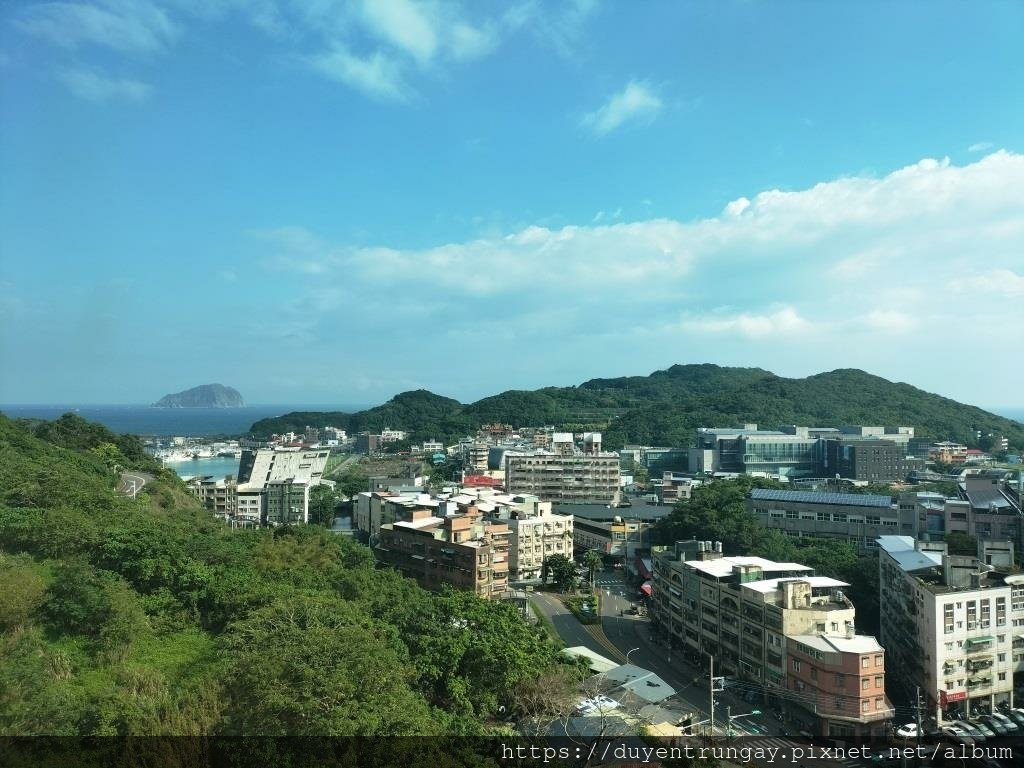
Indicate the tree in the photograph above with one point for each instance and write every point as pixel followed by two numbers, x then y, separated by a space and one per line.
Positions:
pixel 313 665
pixel 353 481
pixel 323 505
pixel 593 560
pixel 561 570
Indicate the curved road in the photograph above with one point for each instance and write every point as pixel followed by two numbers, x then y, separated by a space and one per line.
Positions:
pixel 132 482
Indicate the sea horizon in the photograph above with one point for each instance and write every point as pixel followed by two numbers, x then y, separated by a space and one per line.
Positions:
pixel 149 420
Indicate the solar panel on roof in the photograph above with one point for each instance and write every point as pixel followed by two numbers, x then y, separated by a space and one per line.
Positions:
pixel 818 497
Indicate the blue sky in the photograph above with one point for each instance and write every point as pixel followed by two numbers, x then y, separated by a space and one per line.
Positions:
pixel 319 201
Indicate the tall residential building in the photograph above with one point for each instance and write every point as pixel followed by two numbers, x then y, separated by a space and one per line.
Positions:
pixel 567 478
pixel 779 626
pixel 953 624
pixel 462 550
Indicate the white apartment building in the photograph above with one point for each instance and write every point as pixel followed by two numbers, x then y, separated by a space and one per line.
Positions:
pixel 952 624
pixel 535 538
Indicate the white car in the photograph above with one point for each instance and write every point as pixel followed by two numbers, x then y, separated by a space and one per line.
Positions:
pixel 908 731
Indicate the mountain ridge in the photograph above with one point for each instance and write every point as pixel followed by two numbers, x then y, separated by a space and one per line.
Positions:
pixel 665 407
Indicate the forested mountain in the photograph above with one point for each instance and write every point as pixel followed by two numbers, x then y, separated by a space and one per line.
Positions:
pixel 149 617
pixel 666 407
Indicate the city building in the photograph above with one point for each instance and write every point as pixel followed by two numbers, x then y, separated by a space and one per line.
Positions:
pixel 872 459
pixel 856 518
pixel 461 550
pixel 273 486
pixel 617 538
pixel 779 626
pixel 877 454
pixel 987 508
pixel 754 451
pixel 564 474
pixel 368 443
pixel 220 496
pixel 953 625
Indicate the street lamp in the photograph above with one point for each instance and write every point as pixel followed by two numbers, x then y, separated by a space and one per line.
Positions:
pixel 629 652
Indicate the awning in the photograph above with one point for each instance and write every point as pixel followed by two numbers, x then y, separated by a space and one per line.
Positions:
pixel 647 589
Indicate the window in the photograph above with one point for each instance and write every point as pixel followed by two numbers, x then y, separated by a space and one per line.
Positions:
pixel 865 706
pixel 1002 675
pixel 840 680
pixel 796 665
pixel 1002 657
pixel 824 517
pixel 814 673
pixel 947 617
pixel 1000 611
pixel 864 662
pixel 792 514
pixel 865 683
pixel 878 659
pixel 878 681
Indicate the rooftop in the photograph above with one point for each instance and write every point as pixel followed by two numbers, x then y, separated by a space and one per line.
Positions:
pixel 839 644
pixel 816 497
pixel 770 585
pixel 723 566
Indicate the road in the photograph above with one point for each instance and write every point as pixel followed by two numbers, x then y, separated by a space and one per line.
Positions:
pixel 132 482
pixel 625 633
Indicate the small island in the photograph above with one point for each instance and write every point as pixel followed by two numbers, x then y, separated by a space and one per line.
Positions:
pixel 203 396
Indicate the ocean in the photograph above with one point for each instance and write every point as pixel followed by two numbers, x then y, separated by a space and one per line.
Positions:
pixel 219 467
pixel 166 422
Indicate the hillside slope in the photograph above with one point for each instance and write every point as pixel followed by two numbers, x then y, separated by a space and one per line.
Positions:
pixel 666 407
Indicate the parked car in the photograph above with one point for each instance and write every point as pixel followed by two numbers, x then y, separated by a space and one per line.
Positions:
pixel 957 734
pixel 1011 725
pixel 970 729
pixel 987 721
pixel 1017 715
pixel 908 731
pixel 982 726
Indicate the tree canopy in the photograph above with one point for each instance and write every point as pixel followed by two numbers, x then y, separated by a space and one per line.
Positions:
pixel 147 616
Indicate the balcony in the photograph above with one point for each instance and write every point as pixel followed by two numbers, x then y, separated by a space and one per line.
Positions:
pixel 978 644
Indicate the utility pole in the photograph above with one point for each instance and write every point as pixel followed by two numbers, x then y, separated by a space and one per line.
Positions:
pixel 711 694
pixel 917 709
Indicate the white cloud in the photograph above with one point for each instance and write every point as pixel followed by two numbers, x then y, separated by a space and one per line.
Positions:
pixel 637 103
pixel 832 271
pixel 784 321
pixel 981 146
pixel 378 75
pixel 405 25
pixel 125 25
pixel 95 86
pixel 996 283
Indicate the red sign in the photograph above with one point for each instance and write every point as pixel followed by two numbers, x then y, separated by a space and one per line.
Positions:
pixel 947 697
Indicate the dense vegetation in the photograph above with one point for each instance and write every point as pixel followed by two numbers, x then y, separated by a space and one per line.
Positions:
pixel 666 407
pixel 147 616
pixel 717 512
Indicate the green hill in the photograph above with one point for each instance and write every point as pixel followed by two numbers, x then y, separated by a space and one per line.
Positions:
pixel 666 407
pixel 148 617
